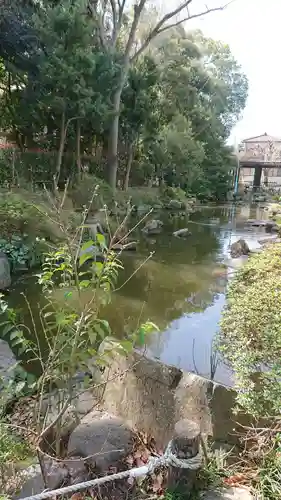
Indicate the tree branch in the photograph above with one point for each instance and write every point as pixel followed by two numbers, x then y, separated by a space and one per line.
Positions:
pixel 115 22
pixel 137 13
pixel 159 28
pixel 99 18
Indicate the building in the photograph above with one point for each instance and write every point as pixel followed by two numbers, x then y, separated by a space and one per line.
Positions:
pixel 260 161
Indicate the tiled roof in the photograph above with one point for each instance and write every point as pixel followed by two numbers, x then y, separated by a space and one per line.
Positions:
pixel 263 138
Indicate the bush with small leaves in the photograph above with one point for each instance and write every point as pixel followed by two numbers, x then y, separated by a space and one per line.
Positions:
pixel 250 334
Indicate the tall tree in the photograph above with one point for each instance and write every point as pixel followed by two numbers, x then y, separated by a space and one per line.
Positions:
pixel 110 21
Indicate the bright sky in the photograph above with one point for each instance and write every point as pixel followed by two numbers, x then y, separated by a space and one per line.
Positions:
pixel 252 28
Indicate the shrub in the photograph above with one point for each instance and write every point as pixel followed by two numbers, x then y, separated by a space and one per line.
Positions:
pixel 82 193
pixel 251 332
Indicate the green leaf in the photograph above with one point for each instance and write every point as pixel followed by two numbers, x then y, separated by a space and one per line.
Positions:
pixel 86 245
pixel 83 258
pixel 101 241
pixel 142 336
pixel 127 345
pixel 84 284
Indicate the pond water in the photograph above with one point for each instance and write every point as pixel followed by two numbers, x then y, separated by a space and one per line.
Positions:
pixel 179 288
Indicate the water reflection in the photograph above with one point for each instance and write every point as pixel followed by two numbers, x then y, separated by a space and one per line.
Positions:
pixel 180 288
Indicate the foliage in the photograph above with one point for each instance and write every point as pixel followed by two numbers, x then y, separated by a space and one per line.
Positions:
pixel 19 253
pixel 77 279
pixel 12 448
pixel 251 332
pixel 14 451
pixel 172 108
pixel 267 482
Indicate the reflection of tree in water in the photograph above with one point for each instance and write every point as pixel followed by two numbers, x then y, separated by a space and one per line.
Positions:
pixel 161 290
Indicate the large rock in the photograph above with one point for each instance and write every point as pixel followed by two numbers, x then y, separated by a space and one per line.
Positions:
pixel 228 494
pixel 104 438
pixel 7 362
pixel 239 248
pixel 182 233
pixel 153 226
pixel 5 272
pixel 155 396
pixel 142 390
pixel 32 481
pixel 175 205
pixel 271 227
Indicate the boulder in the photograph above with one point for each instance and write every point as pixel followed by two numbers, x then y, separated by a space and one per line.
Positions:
pixel 32 481
pixel 104 438
pixel 154 396
pixel 7 362
pixel 175 205
pixel 239 248
pixel 259 198
pixel 143 209
pixel 5 272
pixel 269 241
pixel 153 226
pixel 271 227
pixel 182 233
pixel 236 493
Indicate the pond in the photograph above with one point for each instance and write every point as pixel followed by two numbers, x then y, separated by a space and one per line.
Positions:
pixel 180 288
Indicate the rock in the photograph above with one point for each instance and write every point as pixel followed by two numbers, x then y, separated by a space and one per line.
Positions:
pixel 262 223
pixel 7 362
pixel 239 248
pixel 119 247
pixel 228 494
pixel 33 483
pixel 143 209
pixel 271 227
pixel 5 272
pixel 270 240
pixel 142 390
pixel 80 406
pixel 104 438
pixel 259 198
pixel 182 233
pixel 154 396
pixel 77 470
pixel 153 226
pixel 175 205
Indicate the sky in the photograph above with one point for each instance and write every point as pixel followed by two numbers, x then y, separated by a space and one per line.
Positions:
pixel 252 28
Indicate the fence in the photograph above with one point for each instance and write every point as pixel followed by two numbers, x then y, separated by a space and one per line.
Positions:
pixel 182 457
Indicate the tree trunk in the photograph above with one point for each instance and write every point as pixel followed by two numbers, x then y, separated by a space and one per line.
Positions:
pixel 61 147
pixel 112 164
pixel 78 150
pixel 129 166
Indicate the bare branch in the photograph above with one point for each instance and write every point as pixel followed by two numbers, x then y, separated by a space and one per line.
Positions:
pixel 92 7
pixel 114 21
pixel 160 26
pixel 137 13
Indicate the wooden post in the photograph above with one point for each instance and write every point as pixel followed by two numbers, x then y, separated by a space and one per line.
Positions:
pixel 186 444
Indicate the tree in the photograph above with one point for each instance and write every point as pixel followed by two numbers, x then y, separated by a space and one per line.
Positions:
pixel 208 108
pixel 139 114
pixel 18 40
pixel 110 18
